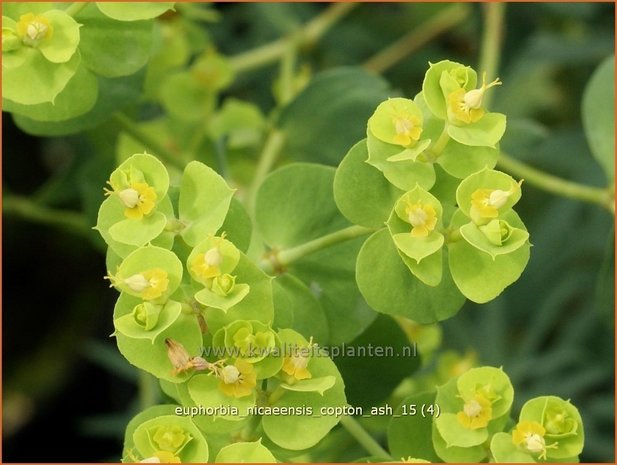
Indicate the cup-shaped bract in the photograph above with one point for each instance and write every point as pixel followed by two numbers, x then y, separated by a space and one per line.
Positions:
pixel 487 194
pixel 474 406
pixel 252 341
pixel 415 224
pixel 170 438
pixel 149 273
pixel 39 48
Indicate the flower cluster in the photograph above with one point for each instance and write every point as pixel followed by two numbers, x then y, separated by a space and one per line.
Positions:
pixel 198 314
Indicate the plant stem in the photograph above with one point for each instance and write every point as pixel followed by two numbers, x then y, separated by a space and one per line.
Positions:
pixel 65 219
pixel 267 158
pixel 278 261
pixel 364 439
pixel 286 75
pixel 75 8
pixel 556 185
pixel 397 51
pixel 491 42
pixel 307 36
pixel 148 390
pixel 129 126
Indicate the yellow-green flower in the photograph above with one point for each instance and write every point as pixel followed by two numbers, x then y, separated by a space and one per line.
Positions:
pixel 530 435
pixel 237 380
pixel 296 365
pixel 150 284
pixel 466 106
pixel 422 218
pixel 485 203
pixel 169 438
pixel 207 265
pixel 397 121
pixel 139 200
pixel 476 413
pixel 33 29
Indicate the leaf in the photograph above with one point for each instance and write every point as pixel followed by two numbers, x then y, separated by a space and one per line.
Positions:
pixel 390 288
pixel 298 432
pixel 61 46
pixel 197 451
pixel 329 274
pixel 505 451
pixel 152 357
pixel 114 95
pixel 114 48
pixel 306 313
pixel 295 204
pixel 210 299
pixel 330 114
pixel 369 377
pixel 598 111
pixel 127 325
pixel 245 452
pixel 45 79
pixel 486 132
pixel 474 235
pixel 204 202
pixel 257 305
pixel 237 226
pixel 319 385
pixel 361 192
pixel 134 11
pixel 185 98
pixel 404 174
pixel 456 454
pixel 138 232
pixel 478 276
pixel 77 98
pixel 403 426
pixel 460 160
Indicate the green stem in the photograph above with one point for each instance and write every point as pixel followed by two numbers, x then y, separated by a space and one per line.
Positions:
pixel 75 8
pixel 492 39
pixel 129 126
pixel 278 261
pixel 286 76
pixel 412 41
pixel 307 36
pixel 65 219
pixel 269 154
pixel 556 185
pixel 441 142
pixel 364 439
pixel 148 390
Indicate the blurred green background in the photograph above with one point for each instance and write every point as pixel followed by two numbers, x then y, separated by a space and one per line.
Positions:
pixel 67 392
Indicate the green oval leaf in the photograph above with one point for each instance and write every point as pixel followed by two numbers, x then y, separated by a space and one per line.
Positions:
pixel 295 204
pixel 389 287
pixel 114 48
pixel 486 132
pixel 61 46
pixel 395 361
pixel 478 276
pixel 134 11
pixel 245 452
pixel 204 202
pixel 45 79
pixel 78 97
pixel 333 107
pixel 361 192
pixel 403 425
pixel 297 432
pixel 599 116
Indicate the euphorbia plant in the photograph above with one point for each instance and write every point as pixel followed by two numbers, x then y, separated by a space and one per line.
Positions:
pixel 232 293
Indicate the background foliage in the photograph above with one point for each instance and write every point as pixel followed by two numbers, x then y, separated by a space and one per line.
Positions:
pixel 552 331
